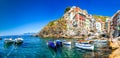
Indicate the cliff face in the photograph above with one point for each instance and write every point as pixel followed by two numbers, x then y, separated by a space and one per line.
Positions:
pixel 75 22
pixel 54 28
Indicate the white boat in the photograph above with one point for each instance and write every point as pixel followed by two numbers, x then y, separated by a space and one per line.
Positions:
pixel 18 40
pixel 101 41
pixel 67 42
pixel 7 41
pixel 85 45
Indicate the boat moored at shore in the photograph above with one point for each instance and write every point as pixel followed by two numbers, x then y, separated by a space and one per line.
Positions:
pixel 8 41
pixel 85 45
pixel 51 44
pixel 101 41
pixel 58 43
pixel 18 40
pixel 66 42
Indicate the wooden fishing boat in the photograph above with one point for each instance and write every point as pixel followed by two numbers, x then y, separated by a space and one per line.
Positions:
pixel 66 42
pixel 18 40
pixel 85 45
pixel 51 44
pixel 58 43
pixel 8 41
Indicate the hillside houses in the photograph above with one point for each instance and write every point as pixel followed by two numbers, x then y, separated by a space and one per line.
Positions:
pixel 108 24
pixel 78 21
pixel 116 23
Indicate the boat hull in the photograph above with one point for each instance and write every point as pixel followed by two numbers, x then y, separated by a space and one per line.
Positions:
pixel 8 41
pixel 51 45
pixel 18 41
pixel 67 43
pixel 58 43
pixel 84 46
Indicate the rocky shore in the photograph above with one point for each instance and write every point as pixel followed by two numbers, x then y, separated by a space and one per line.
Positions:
pixel 115 45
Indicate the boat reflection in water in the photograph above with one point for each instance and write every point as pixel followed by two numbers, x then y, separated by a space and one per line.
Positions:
pixel 56 53
pixel 7 45
pixel 81 53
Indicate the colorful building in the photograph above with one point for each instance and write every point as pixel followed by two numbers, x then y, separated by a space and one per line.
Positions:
pixel 78 20
pixel 98 26
pixel 116 23
pixel 108 24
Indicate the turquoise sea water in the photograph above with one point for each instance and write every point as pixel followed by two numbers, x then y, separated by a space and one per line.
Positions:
pixel 35 47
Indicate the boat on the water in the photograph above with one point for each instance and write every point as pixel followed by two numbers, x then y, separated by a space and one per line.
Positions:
pixel 18 40
pixel 8 41
pixel 55 44
pixel 85 45
pixel 51 44
pixel 67 42
pixel 101 41
pixel 58 43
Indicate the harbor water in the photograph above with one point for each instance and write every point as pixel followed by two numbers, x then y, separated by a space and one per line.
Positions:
pixel 35 47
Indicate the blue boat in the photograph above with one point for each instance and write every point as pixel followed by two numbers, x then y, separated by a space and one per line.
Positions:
pixel 51 44
pixel 58 43
pixel 54 45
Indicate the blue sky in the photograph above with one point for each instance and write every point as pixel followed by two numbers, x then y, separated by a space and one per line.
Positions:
pixel 21 16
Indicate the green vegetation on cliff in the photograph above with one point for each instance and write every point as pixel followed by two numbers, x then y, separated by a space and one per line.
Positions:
pixel 103 18
pixel 67 9
pixel 54 28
